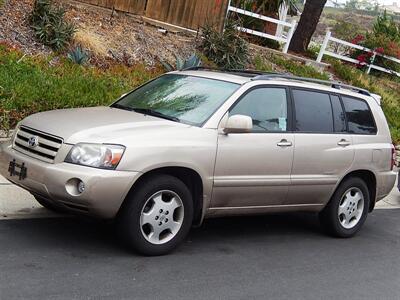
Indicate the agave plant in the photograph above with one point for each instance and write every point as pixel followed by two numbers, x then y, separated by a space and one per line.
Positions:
pixel 50 27
pixel 226 49
pixel 78 55
pixel 181 64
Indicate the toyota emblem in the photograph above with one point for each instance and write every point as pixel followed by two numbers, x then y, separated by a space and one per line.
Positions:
pixel 33 141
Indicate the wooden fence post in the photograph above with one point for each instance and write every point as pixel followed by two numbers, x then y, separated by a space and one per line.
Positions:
pixel 371 63
pixel 323 47
pixel 289 37
pixel 226 16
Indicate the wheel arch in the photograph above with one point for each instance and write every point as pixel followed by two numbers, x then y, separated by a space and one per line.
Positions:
pixel 188 176
pixel 369 178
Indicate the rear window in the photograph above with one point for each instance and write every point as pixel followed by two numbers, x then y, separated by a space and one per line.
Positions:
pixel 313 112
pixel 359 116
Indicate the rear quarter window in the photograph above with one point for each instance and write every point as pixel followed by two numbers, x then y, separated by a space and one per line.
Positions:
pixel 359 116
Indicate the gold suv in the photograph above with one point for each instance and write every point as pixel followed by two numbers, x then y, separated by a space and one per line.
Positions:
pixel 205 143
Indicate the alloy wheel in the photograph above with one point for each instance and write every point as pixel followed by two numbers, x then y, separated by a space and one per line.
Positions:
pixel 351 208
pixel 162 217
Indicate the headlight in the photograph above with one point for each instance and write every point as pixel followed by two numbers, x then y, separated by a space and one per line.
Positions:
pixel 96 155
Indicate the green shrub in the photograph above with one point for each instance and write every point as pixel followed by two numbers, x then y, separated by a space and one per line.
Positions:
pixel 313 50
pixel 49 24
pixel 226 49
pixel 385 25
pixel 383 39
pixel 262 64
pixel 298 68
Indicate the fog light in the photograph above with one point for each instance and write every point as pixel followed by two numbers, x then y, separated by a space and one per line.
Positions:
pixel 75 186
pixel 81 187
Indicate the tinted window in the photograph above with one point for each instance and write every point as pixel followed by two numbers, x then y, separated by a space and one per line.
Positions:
pixel 313 111
pixel 266 106
pixel 359 116
pixel 339 120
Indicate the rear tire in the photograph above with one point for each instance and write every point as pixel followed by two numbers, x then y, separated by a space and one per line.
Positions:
pixel 157 216
pixel 347 210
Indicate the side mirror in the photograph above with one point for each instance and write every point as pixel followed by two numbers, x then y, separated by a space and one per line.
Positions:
pixel 238 124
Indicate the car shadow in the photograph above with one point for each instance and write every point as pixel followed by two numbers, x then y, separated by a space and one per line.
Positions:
pixel 94 236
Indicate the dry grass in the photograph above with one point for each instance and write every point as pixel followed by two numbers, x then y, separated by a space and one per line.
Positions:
pixel 88 39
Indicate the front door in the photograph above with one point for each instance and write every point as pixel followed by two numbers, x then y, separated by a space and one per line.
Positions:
pixel 253 169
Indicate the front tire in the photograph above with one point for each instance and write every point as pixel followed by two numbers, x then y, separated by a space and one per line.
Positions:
pixel 157 215
pixel 348 208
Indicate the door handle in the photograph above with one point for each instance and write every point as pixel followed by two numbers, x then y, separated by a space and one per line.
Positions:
pixel 344 143
pixel 284 143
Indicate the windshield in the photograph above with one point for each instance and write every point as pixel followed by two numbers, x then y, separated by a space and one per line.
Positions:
pixel 182 98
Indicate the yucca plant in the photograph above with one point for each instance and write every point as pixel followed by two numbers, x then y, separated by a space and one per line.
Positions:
pixel 226 49
pixel 49 24
pixel 78 56
pixel 181 64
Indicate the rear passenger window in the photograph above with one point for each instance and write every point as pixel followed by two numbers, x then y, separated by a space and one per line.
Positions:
pixel 313 111
pixel 359 116
pixel 339 120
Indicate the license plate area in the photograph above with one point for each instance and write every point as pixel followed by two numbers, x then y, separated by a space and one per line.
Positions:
pixel 19 170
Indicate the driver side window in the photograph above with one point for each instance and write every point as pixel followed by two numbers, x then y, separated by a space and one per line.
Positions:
pixel 266 106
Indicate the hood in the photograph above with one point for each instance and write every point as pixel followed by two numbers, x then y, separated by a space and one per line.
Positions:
pixel 96 124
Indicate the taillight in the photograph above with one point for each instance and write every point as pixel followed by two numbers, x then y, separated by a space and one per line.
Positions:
pixel 393 158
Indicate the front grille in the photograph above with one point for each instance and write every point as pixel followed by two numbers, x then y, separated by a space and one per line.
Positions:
pixel 45 149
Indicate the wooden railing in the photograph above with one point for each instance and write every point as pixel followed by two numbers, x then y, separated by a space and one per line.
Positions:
pixel 370 65
pixel 282 39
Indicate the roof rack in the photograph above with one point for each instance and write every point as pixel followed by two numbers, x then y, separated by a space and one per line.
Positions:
pixel 243 72
pixel 333 84
pixel 263 75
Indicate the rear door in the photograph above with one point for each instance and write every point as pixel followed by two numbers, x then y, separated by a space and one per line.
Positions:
pixel 323 148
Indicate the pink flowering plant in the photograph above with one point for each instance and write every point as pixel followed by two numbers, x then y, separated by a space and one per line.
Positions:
pixel 383 40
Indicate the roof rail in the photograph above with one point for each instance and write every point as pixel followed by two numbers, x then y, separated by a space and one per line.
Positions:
pixel 244 72
pixel 333 84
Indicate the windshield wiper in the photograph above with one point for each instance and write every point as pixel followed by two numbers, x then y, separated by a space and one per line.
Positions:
pixel 152 112
pixel 146 111
pixel 116 105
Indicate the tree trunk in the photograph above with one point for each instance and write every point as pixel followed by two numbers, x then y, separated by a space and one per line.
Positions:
pixel 308 23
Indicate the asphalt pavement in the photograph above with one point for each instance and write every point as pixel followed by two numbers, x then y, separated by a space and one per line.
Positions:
pixel 269 257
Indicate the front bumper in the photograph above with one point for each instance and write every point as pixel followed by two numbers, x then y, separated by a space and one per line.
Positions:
pixel 105 190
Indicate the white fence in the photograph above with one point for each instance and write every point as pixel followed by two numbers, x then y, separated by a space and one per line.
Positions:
pixel 328 38
pixel 285 40
pixel 370 65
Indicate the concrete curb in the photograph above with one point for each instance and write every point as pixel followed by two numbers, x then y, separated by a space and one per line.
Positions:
pixel 16 203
